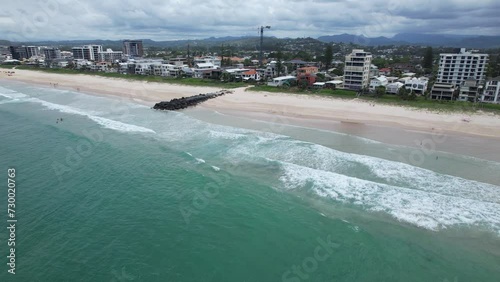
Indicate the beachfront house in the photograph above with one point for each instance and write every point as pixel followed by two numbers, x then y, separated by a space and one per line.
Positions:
pixel 491 92
pixel 443 91
pixel 215 61
pixel 469 90
pixel 202 70
pixel 251 74
pixel 417 85
pixel 334 84
pixel 282 81
pixel 377 82
pixel 393 88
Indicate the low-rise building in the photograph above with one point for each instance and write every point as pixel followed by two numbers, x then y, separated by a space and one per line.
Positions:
pixel 334 84
pixel 251 74
pixel 417 85
pixel 169 70
pixel 282 80
pixel 378 81
pixel 469 90
pixel 385 71
pixel 393 88
pixel 443 91
pixel 110 56
pixel 215 61
pixel 99 66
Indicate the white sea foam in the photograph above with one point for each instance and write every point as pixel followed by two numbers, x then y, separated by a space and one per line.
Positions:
pixel 13 95
pixel 10 101
pixel 107 123
pixel 200 161
pixel 425 209
pixel 371 168
pixel 225 135
pixel 215 168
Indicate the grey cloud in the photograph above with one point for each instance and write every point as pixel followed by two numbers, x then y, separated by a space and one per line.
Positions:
pixel 176 19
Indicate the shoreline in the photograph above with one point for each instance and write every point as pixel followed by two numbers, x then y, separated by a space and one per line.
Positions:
pixel 355 117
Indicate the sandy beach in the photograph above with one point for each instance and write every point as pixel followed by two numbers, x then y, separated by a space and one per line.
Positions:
pixel 353 116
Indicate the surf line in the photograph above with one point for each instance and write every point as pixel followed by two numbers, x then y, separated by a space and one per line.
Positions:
pixel 185 102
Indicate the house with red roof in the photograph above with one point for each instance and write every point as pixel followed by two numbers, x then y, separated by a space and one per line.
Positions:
pixel 251 74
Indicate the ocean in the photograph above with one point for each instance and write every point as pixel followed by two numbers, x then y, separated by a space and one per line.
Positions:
pixel 110 190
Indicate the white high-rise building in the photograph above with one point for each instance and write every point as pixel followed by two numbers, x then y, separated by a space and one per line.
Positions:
pixel 110 56
pixel 456 68
pixel 357 70
pixel 87 52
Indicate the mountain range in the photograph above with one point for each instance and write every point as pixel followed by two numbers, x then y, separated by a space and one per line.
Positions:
pixel 444 40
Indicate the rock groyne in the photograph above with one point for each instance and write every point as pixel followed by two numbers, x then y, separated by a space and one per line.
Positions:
pixel 185 102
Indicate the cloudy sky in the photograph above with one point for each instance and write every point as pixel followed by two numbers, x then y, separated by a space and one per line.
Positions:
pixel 24 20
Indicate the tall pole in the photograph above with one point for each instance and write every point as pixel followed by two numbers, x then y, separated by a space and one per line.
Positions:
pixel 261 42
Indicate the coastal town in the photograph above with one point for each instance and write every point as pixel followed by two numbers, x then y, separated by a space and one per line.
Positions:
pixel 458 75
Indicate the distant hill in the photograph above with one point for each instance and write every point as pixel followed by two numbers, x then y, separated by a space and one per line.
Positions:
pixel 445 40
pixel 251 42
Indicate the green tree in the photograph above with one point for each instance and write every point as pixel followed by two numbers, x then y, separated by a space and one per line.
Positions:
pixel 304 56
pixel 380 91
pixel 380 62
pixel 494 66
pixel 247 62
pixel 339 70
pixel 412 96
pixel 403 93
pixel 327 59
pixel 279 62
pixel 428 60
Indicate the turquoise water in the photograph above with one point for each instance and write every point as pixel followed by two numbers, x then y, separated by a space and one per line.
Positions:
pixel 119 192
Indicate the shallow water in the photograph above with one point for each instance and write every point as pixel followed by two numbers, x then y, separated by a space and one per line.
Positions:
pixel 119 192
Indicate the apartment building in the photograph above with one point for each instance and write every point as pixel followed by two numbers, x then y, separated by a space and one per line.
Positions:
pixel 52 54
pixel 87 52
pixel 95 50
pixel 110 56
pixel 456 68
pixel 357 70
pixel 133 48
pixel 469 90
pixel 443 91
pixel 208 60
pixel 32 51
pixel 491 93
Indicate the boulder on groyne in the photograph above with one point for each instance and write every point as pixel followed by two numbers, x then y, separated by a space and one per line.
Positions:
pixel 185 102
